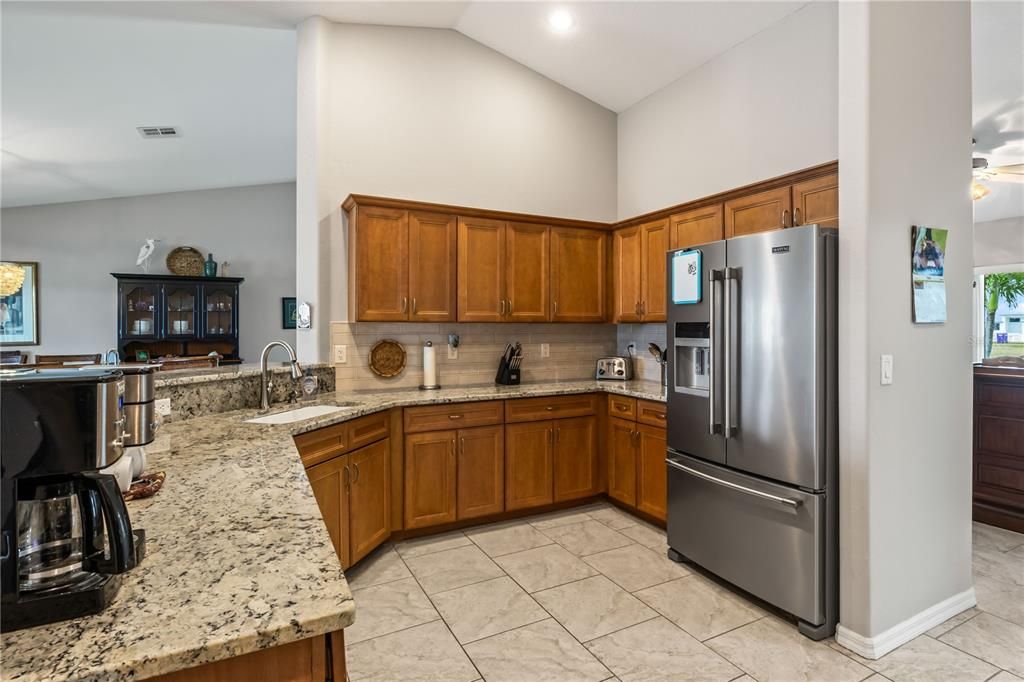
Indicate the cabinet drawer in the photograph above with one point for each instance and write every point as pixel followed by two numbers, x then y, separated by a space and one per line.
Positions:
pixel 368 429
pixel 650 412
pixel 322 444
pixel 554 407
pixel 454 416
pixel 622 407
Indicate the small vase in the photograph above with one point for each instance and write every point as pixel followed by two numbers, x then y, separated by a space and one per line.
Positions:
pixel 210 266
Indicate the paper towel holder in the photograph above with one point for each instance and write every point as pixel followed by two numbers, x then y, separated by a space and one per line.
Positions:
pixel 432 387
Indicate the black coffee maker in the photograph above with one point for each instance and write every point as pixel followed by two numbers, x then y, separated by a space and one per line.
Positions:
pixel 66 534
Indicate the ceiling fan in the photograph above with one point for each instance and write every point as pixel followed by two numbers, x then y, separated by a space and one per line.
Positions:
pixel 983 173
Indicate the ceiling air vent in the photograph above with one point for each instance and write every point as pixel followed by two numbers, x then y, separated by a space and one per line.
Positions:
pixel 153 132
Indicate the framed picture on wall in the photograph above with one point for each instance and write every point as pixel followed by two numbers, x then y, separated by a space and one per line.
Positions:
pixel 288 312
pixel 19 303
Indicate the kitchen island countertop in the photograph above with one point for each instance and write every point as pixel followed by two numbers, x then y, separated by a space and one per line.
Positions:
pixel 238 558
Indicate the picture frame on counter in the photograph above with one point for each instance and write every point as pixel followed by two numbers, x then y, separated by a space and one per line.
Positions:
pixel 19 303
pixel 289 312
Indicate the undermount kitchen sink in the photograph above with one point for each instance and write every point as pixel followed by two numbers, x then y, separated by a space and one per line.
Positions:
pixel 299 414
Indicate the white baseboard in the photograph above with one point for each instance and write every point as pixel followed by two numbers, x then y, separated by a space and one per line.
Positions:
pixel 901 633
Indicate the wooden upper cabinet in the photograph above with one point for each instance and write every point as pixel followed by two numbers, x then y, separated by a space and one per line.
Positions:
pixel 432 267
pixel 528 464
pixel 575 458
pixel 651 472
pixel 654 246
pixel 481 472
pixel 578 259
pixel 761 212
pixel 381 264
pixel 430 478
pixel 626 265
pixel 698 226
pixel 330 482
pixel 369 509
pixel 817 201
pixel 527 289
pixel 481 270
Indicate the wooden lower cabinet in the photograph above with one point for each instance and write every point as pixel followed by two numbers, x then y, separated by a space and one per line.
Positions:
pixel 368 500
pixel 430 465
pixel 622 460
pixel 329 482
pixel 480 488
pixel 651 471
pixel 999 447
pixel 529 459
pixel 575 458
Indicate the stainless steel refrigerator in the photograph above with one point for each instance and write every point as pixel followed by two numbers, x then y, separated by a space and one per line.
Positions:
pixel 752 417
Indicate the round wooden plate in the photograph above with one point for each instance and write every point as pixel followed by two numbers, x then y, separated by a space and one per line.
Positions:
pixel 387 358
pixel 185 260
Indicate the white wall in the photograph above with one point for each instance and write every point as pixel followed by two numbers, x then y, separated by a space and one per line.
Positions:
pixel 999 242
pixel 79 244
pixel 905 449
pixel 432 115
pixel 764 108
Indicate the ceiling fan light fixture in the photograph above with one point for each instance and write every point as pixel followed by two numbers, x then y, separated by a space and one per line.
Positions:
pixel 979 191
pixel 560 21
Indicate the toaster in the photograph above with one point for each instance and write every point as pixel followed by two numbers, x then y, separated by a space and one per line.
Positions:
pixel 617 368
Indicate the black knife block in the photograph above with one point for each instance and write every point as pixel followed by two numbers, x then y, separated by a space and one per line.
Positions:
pixel 506 375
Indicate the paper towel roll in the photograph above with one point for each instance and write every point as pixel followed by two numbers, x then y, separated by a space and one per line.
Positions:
pixel 429 366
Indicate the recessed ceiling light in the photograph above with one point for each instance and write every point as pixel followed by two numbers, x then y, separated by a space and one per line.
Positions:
pixel 561 21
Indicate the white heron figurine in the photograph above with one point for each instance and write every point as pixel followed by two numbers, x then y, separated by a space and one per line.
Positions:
pixel 145 253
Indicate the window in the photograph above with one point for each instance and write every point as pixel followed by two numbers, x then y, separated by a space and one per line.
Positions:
pixel 1000 312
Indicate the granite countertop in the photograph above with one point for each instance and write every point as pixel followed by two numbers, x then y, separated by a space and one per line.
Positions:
pixel 238 558
pixel 180 377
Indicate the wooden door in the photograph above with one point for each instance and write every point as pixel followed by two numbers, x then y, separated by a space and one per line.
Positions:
pixel 528 464
pixel 381 264
pixel 654 246
pixel 432 266
pixel 697 226
pixel 481 472
pixel 626 266
pixel 622 460
pixel 527 289
pixel 651 471
pixel 577 275
pixel 817 201
pixel 330 481
pixel 575 458
pixel 369 502
pixel 481 270
pixel 759 212
pixel 429 478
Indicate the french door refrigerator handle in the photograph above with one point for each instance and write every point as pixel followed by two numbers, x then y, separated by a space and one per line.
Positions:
pixel 729 275
pixel 793 504
pixel 714 276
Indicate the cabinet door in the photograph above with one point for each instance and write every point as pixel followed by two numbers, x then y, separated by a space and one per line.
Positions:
pixel 654 246
pixel 180 310
pixel 626 257
pixel 481 472
pixel 330 482
pixel 651 471
pixel 759 212
pixel 220 311
pixel 429 478
pixel 577 275
pixel 575 472
pixel 368 498
pixel 527 287
pixel 381 264
pixel 622 461
pixel 817 201
pixel 528 465
pixel 481 270
pixel 432 267
pixel 697 226
pixel 139 309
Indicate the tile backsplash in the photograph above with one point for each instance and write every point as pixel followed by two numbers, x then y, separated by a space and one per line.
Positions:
pixel 574 349
pixel 642 335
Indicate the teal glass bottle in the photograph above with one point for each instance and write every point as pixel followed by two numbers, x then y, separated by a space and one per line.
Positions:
pixel 210 266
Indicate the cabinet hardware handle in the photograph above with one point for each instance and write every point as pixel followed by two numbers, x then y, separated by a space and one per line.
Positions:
pixel 452 452
pixel 556 307
pixel 549 408
pixel 356 479
pixel 643 308
pixel 501 303
pixel 413 305
pixel 659 415
pixel 621 408
pixel 510 306
pixel 345 475
pixel 462 444
pixel 455 416
pixel 796 216
pixel 551 437
pixel 405 303
pixel 785 214
pixel 558 432
pixel 636 308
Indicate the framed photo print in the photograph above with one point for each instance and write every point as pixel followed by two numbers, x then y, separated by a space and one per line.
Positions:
pixel 289 312
pixel 19 303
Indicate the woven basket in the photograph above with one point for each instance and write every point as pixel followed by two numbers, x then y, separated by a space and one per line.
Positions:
pixel 387 358
pixel 185 260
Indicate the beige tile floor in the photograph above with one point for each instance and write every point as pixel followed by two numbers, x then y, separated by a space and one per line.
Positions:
pixel 588 594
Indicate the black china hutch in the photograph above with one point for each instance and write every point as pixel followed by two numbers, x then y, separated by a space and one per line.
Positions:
pixel 176 315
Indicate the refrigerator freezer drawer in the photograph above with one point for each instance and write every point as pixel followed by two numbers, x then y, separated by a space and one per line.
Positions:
pixel 765 538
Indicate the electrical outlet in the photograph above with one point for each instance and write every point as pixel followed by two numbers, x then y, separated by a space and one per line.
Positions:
pixel 340 354
pixel 163 406
pixel 453 352
pixel 545 350
pixel 886 370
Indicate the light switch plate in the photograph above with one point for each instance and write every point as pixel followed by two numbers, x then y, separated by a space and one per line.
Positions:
pixel 340 354
pixel 886 370
pixel 162 406
pixel 545 350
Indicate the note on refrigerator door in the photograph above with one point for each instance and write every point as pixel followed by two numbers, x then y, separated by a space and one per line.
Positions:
pixel 686 277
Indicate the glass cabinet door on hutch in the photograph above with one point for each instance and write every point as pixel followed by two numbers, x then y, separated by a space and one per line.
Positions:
pixel 180 303
pixel 220 308
pixel 139 309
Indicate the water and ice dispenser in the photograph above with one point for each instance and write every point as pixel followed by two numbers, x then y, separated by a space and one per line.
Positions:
pixel 692 347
